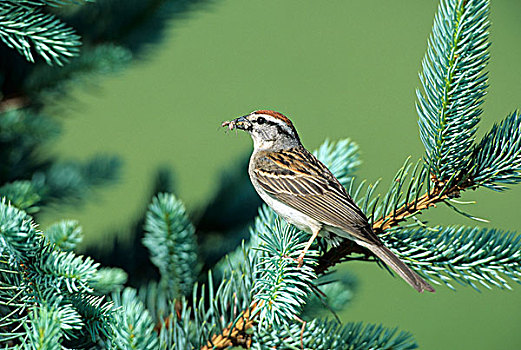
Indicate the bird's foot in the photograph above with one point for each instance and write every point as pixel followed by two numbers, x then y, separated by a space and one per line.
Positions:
pixel 300 260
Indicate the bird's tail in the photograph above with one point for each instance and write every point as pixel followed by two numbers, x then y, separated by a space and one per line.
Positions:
pixel 399 267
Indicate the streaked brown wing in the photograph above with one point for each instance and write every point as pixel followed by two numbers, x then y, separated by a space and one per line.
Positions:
pixel 300 180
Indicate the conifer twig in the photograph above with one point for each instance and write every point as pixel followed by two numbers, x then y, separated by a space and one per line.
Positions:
pixel 14 102
pixel 235 334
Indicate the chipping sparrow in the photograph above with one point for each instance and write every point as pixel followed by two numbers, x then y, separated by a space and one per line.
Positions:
pixel 302 190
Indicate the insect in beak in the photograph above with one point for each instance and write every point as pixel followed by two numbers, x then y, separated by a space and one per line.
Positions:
pixel 239 123
pixel 230 125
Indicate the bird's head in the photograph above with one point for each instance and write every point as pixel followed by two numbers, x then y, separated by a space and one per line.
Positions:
pixel 269 130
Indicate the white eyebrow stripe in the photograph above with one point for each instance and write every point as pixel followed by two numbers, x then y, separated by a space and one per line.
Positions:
pixel 288 129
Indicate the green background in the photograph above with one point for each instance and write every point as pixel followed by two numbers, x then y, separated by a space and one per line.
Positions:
pixel 338 69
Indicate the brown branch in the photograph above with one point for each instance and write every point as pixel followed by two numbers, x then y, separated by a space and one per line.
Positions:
pixel 235 334
pixel 437 194
pixel 14 102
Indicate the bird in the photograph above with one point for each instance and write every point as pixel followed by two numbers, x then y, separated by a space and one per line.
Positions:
pixel 304 192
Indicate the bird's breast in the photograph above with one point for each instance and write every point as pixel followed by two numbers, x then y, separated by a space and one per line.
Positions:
pixel 289 214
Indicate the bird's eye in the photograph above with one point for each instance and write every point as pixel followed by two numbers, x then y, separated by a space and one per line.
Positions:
pixel 261 120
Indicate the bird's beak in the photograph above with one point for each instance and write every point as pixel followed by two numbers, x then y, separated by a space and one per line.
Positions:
pixel 240 123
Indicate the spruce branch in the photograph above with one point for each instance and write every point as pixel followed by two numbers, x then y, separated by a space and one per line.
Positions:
pixel 66 234
pixel 25 28
pixel 19 240
pixel 235 334
pixel 43 329
pixel 22 194
pixel 454 83
pixel 496 161
pixel 324 334
pixel 281 288
pixel 318 334
pixel 97 314
pixel 467 255
pixel 133 327
pixel 66 271
pixel 218 314
pixel 108 280
pixel 41 274
pixel 156 300
pixel 170 237
pixel 53 3
pixel 50 323
pixel 19 245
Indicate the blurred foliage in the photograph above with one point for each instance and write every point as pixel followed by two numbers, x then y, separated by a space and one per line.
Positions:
pixel 130 254
pixel 111 34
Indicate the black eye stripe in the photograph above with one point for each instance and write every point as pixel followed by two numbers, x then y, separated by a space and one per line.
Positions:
pixel 281 130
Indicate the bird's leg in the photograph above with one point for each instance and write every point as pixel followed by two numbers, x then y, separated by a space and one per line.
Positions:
pixel 308 244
